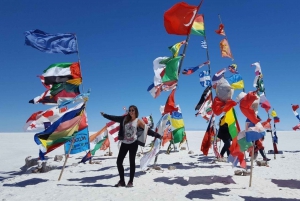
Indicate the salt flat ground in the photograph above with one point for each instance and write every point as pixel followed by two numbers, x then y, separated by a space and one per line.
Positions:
pixel 194 178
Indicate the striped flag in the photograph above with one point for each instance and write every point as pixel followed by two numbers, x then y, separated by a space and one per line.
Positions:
pixel 203 44
pixel 113 129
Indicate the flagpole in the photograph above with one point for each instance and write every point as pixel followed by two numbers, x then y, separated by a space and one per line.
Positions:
pixel 225 35
pixel 73 140
pixel 79 62
pixel 274 145
pixel 207 54
pixel 209 71
pixel 186 41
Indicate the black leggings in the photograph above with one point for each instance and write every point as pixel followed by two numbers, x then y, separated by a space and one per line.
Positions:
pixel 132 148
pixel 225 147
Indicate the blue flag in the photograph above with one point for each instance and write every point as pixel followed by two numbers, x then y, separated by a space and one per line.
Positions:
pixel 51 43
pixel 82 142
pixel 205 78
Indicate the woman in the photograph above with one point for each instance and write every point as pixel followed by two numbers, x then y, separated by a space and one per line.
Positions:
pixel 225 136
pixel 128 136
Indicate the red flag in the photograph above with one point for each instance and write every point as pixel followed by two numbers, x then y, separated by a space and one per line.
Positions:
pixel 206 142
pixel 179 18
pixel 296 127
pixel 295 107
pixel 221 30
pixel 266 124
pixel 225 49
pixel 170 104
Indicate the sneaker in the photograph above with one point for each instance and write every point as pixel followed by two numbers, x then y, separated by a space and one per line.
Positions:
pixel 266 159
pixel 120 184
pixel 130 184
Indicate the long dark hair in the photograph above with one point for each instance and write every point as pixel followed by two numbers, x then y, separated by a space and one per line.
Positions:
pixel 128 117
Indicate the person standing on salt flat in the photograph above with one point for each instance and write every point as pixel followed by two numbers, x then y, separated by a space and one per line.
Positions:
pixel 128 135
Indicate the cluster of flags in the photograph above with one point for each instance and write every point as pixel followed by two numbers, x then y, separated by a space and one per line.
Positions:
pixel 61 126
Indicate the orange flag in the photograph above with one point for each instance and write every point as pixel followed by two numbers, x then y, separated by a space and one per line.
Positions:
pixel 179 18
pixel 221 31
pixel 225 49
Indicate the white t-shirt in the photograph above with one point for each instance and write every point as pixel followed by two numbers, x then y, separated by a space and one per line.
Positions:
pixel 130 132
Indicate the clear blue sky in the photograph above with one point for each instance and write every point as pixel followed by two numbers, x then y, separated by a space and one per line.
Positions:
pixel 118 41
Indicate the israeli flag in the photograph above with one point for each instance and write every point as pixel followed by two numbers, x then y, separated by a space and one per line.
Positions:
pixel 205 78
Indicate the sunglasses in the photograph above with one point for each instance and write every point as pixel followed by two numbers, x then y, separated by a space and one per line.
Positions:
pixel 131 110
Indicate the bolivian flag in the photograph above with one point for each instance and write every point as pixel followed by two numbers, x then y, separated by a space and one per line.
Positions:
pixel 198 26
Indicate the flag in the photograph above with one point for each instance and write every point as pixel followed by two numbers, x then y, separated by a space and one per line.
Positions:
pixel 154 90
pixel 203 44
pixel 60 131
pixel 205 96
pixel 266 124
pixel 198 26
pixel 257 68
pixel 225 49
pixel 194 69
pixel 275 117
pixel 41 120
pixel 148 120
pixel 221 31
pixel 51 43
pixel 295 107
pixel 273 113
pixel 170 104
pixel 204 77
pixel 178 135
pixel 230 119
pixel 99 140
pixel 179 18
pixel 255 132
pixel 206 109
pixel 296 127
pixel 175 48
pixel 206 141
pixel 61 72
pixel 170 73
pixel 64 91
pixel 243 143
pixel 87 157
pixel 218 76
pixel 246 101
pixel 264 103
pixel 235 149
pixel 176 120
pixel 260 84
pixel 147 158
pixel 79 98
pixel 44 98
pixel 81 142
pixel 236 81
pixel 113 129
pixel 233 68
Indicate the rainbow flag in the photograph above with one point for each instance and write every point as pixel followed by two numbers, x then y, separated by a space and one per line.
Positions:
pixel 60 131
pixel 198 26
